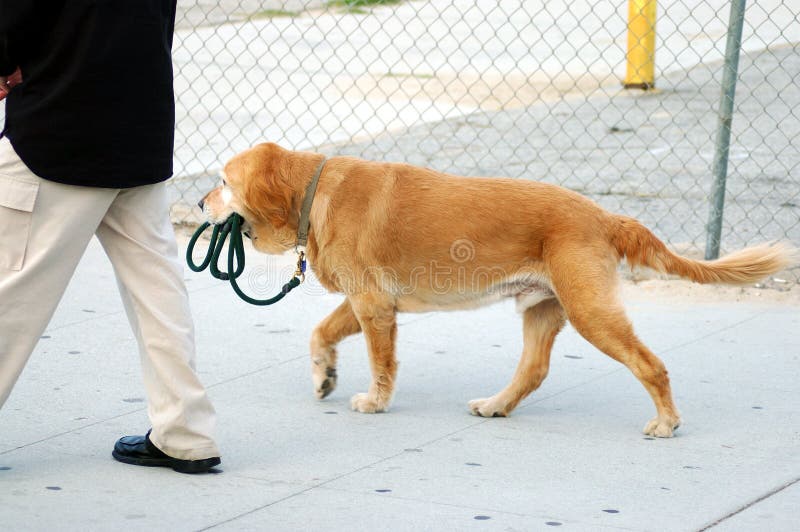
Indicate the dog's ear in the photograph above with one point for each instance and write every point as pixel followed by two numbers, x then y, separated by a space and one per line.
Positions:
pixel 267 191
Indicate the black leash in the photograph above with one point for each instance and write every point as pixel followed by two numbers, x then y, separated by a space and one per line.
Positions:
pixel 233 228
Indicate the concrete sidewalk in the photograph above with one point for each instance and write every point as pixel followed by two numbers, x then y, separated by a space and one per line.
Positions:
pixel 570 456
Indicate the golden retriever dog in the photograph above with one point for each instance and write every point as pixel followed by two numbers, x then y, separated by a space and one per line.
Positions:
pixel 399 238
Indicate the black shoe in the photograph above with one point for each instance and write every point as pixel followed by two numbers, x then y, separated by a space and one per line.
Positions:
pixel 138 450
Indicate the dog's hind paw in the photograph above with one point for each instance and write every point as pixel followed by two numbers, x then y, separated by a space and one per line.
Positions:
pixel 487 408
pixel 661 427
pixel 362 402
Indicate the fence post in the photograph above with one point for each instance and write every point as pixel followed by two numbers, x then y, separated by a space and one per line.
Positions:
pixel 729 74
pixel 641 57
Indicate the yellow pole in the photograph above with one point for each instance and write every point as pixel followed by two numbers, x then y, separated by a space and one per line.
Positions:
pixel 641 44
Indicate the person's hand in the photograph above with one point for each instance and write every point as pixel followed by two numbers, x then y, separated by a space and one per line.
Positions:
pixel 9 82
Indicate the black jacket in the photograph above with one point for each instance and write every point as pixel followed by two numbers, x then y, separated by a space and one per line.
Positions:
pixel 96 105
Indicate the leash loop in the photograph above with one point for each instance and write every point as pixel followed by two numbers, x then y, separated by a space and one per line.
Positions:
pixel 231 228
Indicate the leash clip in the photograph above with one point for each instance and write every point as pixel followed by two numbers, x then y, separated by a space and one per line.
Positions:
pixel 300 271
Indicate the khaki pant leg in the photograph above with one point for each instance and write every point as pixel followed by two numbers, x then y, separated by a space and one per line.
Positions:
pixel 44 230
pixel 138 237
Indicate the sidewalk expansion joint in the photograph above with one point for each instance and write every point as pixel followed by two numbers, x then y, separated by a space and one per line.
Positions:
pixel 750 504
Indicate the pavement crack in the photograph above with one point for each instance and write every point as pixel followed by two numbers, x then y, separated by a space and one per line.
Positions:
pixel 70 431
pixel 717 331
pixel 750 504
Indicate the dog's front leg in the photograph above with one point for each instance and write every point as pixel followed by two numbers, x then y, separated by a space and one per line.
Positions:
pixel 377 315
pixel 339 324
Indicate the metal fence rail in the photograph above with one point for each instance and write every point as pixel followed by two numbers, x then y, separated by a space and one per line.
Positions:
pixel 525 89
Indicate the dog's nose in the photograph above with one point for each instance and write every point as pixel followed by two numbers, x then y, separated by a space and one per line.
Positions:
pixel 201 203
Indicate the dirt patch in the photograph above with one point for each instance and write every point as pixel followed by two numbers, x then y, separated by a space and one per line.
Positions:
pixel 480 90
pixel 674 291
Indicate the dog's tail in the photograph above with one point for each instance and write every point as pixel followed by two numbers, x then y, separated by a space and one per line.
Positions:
pixel 641 248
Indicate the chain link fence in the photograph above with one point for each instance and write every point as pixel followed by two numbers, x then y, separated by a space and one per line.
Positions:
pixel 524 89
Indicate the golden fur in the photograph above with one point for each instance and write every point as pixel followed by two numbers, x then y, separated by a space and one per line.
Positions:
pixel 398 238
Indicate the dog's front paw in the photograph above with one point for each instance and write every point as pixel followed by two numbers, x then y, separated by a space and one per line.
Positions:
pixel 489 407
pixel 324 381
pixel 662 427
pixel 363 402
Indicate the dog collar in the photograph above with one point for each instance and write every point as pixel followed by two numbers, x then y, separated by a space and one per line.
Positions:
pixel 305 210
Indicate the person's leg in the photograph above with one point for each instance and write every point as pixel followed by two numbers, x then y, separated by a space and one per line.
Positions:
pixel 138 237
pixel 44 230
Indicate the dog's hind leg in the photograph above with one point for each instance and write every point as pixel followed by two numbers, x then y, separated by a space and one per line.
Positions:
pixel 541 324
pixel 339 324
pixel 587 290
pixel 378 318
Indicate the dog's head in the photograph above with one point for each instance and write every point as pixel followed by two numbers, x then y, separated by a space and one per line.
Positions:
pixel 258 184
